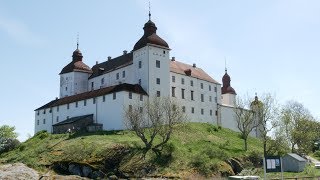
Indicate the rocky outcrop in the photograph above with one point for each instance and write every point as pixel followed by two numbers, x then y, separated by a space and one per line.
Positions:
pixel 17 171
pixel 72 168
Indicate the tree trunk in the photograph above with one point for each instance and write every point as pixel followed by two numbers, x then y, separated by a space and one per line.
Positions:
pixel 245 144
pixel 264 148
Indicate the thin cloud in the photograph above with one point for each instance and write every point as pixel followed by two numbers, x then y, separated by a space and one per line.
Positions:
pixel 19 32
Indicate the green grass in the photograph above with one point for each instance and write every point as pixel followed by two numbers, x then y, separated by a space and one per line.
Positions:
pixel 194 147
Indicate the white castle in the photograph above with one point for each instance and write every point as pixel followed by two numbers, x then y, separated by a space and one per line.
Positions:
pixel 94 98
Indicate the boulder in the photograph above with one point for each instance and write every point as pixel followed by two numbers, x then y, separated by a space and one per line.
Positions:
pixel 17 171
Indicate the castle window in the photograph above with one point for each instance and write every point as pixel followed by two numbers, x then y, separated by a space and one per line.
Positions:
pixel 57 108
pixel 38 113
pixel 38 122
pixel 210 98
pixel 76 104
pixel 44 121
pixel 215 99
pixel 117 75
pixel 192 110
pixel 202 111
pixel 158 80
pixel 183 109
pixel 164 52
pixel 44 111
pixel 157 63
pixel 84 102
pixel 102 81
pixel 191 83
pixel 202 98
pixel 130 95
pixel 210 112
pixel 57 119
pixel 140 64
pixel 67 106
pixel 66 88
pixel 201 85
pixel 50 110
pixel 141 97
pixel 182 80
pixel 140 109
pixel 173 91
pixel 173 79
pixel 103 98
pixel 216 113
pixel 158 93
pixel 215 89
pixel 182 93
pixel 114 95
pixel 92 85
pixel 209 87
pixel 94 100
pixel 123 74
pixel 192 95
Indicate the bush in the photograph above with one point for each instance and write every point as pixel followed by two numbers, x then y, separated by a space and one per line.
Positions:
pixel 317 154
pixel 8 144
pixel 42 134
pixel 255 158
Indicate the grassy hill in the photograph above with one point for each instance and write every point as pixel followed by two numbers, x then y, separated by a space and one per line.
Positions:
pixel 195 148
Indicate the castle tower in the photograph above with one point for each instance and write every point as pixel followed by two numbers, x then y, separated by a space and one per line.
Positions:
pixel 151 61
pixel 74 76
pixel 227 92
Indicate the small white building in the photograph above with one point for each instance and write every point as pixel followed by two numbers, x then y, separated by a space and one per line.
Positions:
pixel 102 92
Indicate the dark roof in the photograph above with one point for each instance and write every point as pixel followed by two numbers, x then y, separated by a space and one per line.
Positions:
pixel 76 64
pixel 150 37
pixel 226 85
pixel 95 93
pixel 182 68
pixel 74 119
pixel 111 65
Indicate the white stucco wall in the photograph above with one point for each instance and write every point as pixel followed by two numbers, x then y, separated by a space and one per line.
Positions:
pixel 73 83
pixel 228 99
pixel 109 113
pixel 196 103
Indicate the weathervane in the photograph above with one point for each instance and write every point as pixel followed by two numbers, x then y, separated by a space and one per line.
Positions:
pixel 149 12
pixel 77 40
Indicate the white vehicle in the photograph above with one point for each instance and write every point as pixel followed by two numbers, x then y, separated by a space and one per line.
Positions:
pixel 317 165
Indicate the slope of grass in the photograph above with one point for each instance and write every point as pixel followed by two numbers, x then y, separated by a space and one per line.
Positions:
pixel 193 147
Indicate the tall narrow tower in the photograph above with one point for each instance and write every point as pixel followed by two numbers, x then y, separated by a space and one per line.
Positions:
pixel 227 92
pixel 151 61
pixel 74 76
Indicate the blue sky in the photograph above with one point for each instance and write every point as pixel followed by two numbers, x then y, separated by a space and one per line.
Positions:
pixel 271 46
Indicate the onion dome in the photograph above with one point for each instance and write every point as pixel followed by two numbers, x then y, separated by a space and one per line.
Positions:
pixel 226 87
pixel 150 36
pixel 76 64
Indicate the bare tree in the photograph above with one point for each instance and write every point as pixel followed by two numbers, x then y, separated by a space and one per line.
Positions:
pixel 152 120
pixel 245 119
pixel 266 112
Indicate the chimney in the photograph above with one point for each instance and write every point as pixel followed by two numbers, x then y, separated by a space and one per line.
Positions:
pixel 97 62
pixel 109 58
pixel 57 98
pixel 125 52
pixel 194 65
pixel 173 58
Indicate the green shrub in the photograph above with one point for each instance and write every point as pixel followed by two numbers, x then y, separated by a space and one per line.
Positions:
pixel 317 154
pixel 255 157
pixel 42 134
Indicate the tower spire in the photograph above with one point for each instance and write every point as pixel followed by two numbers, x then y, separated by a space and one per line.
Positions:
pixel 149 12
pixel 78 40
pixel 225 64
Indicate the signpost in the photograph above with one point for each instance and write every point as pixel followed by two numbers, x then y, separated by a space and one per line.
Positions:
pixel 272 164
